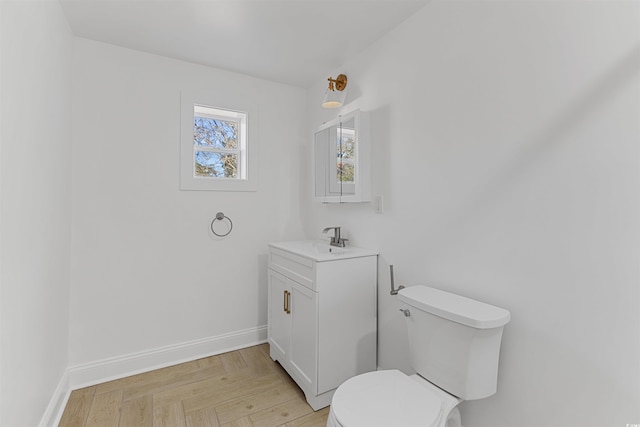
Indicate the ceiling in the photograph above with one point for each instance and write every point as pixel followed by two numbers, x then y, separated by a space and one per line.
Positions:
pixel 288 41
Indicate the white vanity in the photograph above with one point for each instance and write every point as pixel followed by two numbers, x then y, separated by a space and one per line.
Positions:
pixel 322 314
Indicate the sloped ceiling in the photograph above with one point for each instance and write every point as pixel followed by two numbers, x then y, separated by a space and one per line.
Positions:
pixel 294 42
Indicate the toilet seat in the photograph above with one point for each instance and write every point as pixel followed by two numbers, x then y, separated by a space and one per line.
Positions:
pixel 390 398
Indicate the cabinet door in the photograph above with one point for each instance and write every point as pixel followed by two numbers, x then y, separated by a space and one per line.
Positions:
pixel 321 148
pixel 279 330
pixel 304 335
pixel 342 159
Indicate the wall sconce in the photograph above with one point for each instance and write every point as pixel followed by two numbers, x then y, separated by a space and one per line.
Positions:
pixel 334 97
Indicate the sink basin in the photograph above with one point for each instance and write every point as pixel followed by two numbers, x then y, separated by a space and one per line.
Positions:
pixel 320 250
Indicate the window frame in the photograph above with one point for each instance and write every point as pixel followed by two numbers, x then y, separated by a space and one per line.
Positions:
pixel 230 110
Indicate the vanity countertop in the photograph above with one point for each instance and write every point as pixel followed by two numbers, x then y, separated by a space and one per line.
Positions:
pixel 320 250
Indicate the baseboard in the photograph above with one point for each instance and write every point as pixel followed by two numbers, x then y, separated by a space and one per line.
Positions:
pixel 113 368
pixel 57 403
pixel 122 366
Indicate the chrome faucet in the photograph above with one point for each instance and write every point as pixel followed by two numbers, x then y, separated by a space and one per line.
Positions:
pixel 336 240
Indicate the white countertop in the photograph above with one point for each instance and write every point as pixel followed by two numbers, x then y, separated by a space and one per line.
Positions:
pixel 320 250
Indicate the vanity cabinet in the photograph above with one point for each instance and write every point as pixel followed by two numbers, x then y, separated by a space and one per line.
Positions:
pixel 322 317
pixel 342 159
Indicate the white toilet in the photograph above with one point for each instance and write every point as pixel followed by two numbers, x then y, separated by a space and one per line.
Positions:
pixel 454 343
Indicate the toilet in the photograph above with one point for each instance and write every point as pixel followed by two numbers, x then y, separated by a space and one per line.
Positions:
pixel 454 345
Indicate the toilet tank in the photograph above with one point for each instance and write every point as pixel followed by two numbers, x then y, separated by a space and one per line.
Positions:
pixel 454 340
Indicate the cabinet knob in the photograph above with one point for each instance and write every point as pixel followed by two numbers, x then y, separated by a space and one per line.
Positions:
pixel 406 312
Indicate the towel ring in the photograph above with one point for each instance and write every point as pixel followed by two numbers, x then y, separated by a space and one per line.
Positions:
pixel 219 217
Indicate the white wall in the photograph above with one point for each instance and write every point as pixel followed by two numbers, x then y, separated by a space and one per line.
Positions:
pixel 35 214
pixel 146 272
pixel 505 143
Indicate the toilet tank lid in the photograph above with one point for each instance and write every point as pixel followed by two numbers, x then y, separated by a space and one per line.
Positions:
pixel 455 307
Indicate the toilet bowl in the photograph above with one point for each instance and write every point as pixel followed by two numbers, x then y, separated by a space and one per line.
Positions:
pixel 392 399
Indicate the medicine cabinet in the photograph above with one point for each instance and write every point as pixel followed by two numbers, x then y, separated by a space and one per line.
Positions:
pixel 342 159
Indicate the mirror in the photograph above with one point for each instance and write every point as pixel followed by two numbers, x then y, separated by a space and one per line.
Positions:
pixel 341 159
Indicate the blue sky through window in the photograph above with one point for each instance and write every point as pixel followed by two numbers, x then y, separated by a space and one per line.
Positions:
pixel 215 136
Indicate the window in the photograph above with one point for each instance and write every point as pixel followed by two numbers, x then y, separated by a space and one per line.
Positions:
pixel 219 143
pixel 215 147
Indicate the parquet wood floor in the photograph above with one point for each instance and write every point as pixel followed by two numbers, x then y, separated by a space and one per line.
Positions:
pixel 242 388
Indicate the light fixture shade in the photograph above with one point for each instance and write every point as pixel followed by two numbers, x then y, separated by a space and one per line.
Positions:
pixel 333 99
pixel 335 94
